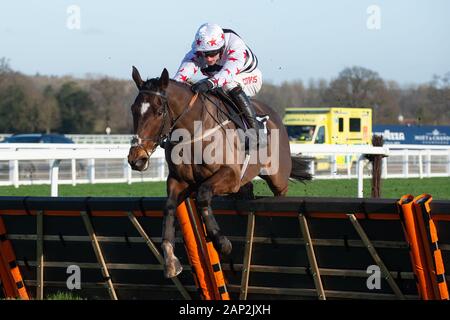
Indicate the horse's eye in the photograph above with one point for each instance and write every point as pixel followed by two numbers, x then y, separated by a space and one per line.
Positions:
pixel 160 111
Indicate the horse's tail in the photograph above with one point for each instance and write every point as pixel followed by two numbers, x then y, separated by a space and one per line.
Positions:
pixel 300 168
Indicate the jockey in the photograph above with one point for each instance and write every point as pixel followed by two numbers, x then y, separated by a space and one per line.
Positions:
pixel 228 63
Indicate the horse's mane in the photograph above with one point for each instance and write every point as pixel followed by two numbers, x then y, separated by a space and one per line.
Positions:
pixel 152 84
pixel 179 84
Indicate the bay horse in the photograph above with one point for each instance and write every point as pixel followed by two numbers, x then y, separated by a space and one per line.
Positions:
pixel 164 106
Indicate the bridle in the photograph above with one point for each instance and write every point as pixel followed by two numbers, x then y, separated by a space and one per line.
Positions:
pixel 137 141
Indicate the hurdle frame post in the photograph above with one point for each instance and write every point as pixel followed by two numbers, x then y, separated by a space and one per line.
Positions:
pixel 40 255
pixel 373 252
pixel 158 256
pixel 311 256
pixel 99 254
pixel 247 256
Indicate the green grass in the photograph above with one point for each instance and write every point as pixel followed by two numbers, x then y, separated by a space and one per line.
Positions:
pixel 439 188
pixel 63 296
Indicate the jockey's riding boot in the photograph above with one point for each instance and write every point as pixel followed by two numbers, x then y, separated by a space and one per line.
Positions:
pixel 243 102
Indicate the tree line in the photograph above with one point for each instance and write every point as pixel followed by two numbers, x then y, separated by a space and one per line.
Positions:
pixel 68 105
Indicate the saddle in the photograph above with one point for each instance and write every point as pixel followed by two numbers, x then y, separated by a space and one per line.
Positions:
pixel 232 110
pixel 235 114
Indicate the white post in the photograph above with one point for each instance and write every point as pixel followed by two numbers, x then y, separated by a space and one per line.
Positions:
pixel 313 171
pixel 384 169
pixel 127 173
pixel 349 159
pixel 405 164
pixel 448 163
pixel 420 165
pixel 334 166
pixel 360 173
pixel 54 172
pixel 14 172
pixel 428 168
pixel 74 171
pixel 162 165
pixel 91 171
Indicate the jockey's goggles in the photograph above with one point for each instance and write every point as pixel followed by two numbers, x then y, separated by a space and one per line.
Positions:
pixel 212 53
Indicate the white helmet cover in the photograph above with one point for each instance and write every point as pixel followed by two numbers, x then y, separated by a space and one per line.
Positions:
pixel 209 37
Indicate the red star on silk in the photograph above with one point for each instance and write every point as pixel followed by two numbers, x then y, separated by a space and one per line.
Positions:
pixel 212 42
pixel 225 82
pixel 228 70
pixel 232 59
pixel 237 70
pixel 216 81
pixel 195 70
pixel 181 70
pixel 231 51
pixel 183 78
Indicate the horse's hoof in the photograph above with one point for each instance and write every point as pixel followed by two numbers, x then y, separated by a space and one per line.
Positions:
pixel 225 246
pixel 172 268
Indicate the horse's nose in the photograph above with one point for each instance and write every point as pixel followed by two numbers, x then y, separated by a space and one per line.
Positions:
pixel 139 164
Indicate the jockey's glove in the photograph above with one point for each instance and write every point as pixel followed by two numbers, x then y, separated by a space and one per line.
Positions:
pixel 203 86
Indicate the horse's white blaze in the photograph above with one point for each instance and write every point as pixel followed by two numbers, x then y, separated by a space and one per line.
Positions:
pixel 144 107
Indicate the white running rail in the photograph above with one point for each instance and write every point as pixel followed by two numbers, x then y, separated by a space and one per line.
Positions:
pixel 25 164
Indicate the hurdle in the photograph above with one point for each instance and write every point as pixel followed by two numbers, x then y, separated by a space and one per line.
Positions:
pixel 297 248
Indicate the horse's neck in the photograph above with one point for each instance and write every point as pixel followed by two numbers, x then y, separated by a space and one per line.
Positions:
pixel 201 110
pixel 180 96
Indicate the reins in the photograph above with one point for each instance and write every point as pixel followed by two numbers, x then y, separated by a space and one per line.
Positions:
pixel 137 141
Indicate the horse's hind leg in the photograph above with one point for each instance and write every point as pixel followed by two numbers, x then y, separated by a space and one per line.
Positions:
pixel 277 184
pixel 176 194
pixel 224 181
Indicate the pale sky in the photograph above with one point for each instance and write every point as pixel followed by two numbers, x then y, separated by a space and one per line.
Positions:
pixel 292 39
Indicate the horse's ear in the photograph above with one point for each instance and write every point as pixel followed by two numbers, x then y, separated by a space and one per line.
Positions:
pixel 164 79
pixel 137 78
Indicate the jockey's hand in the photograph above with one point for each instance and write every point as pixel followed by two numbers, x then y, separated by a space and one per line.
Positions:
pixel 203 86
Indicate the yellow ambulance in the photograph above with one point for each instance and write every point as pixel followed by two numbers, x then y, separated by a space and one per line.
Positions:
pixel 329 126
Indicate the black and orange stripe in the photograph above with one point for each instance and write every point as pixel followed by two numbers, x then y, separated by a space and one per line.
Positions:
pixel 13 285
pixel 433 254
pixel 217 269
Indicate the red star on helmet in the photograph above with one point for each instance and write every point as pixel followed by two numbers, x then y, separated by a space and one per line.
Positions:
pixel 232 59
pixel 183 78
pixel 212 42
pixel 223 36
pixel 231 51
pixel 199 42
pixel 245 54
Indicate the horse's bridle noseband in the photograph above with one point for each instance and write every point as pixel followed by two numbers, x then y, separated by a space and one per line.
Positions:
pixel 137 141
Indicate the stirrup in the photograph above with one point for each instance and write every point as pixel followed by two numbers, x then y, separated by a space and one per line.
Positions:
pixel 262 120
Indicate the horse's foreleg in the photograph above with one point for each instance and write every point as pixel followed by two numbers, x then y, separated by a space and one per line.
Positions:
pixel 223 181
pixel 176 194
